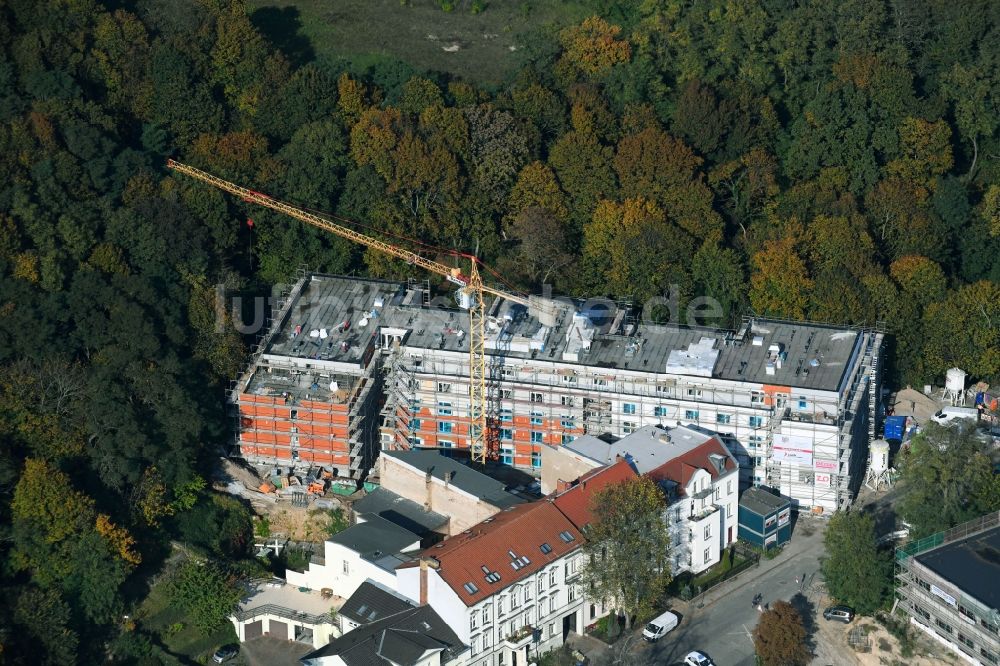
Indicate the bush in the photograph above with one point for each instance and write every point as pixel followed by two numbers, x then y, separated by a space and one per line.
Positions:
pixel 205 593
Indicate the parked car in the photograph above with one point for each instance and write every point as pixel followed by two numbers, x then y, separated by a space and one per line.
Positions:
pixel 659 626
pixel 839 614
pixel 697 658
pixel 225 653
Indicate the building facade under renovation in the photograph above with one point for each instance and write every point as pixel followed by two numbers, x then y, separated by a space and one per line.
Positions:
pixel 349 366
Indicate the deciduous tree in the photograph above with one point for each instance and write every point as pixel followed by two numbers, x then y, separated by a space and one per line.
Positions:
pixel 780 285
pixel 628 547
pixel 947 479
pixel 855 571
pixel 780 638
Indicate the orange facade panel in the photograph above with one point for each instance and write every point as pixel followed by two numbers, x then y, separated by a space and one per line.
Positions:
pixel 261 399
pixel 315 405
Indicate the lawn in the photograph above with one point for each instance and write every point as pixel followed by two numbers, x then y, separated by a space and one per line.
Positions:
pixel 157 616
pixel 482 48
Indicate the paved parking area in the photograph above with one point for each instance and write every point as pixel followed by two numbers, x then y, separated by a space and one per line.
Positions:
pixel 267 651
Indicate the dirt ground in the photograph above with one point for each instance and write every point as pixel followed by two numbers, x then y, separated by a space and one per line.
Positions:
pixel 297 523
pixel 833 646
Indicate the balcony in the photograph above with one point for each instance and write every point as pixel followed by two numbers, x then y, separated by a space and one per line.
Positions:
pixel 703 514
pixel 520 638
pixel 702 494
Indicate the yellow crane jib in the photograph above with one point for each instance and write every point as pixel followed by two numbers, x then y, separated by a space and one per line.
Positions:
pixel 483 441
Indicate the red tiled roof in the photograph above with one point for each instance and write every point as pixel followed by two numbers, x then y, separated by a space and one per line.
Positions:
pixel 521 530
pixel 683 467
pixel 575 502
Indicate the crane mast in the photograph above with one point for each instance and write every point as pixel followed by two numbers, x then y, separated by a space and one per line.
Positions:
pixel 481 430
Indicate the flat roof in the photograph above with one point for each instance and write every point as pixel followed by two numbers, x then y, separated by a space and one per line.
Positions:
pixel 813 356
pixel 645 448
pixel 399 510
pixel 462 476
pixel 278 593
pixel 971 564
pixel 762 502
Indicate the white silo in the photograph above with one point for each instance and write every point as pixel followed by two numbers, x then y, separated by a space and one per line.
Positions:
pixel 878 465
pixel 954 386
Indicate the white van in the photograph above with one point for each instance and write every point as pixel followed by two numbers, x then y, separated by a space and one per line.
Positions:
pixel 660 626
pixel 948 414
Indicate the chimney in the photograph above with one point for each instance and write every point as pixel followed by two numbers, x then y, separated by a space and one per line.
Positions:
pixel 428 487
pixel 448 476
pixel 425 564
pixel 562 485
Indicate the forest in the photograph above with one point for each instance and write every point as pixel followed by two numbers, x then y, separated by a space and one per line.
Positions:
pixel 838 162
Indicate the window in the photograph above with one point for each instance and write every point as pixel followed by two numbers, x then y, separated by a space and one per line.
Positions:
pixel 567 422
pixel 691 414
pixel 566 400
pixel 552 629
pixel 966 641
pixel 572 592
pixel 718 493
pixel 536 459
pixel 708 532
pixel 990 657
pixel 506 434
pixel 445 426
pixel 729 487
pixel 569 379
pixel 693 393
pixel 506 394
pixel 473 620
pixel 470 588
pixel 536 418
pixel 552 577
pixel 444 388
pixel 965 612
pixel 756 398
pixel 988 626
pixel 554 602
pixel 628 408
pixel 729 511
pixel 629 427
pixel 566 439
pixel 756 421
pixel 598 381
pixel 757 461
pixel 708 555
pixel 677 514
pixel 506 455
pixel 445 444
pixel 803 403
pixel 566 536
pixel 944 625
pixel 722 418
pixel 486 615
pixel 444 408
pixel 536 437
pixel 347 568
pixel 500 601
pixel 659 411
pixel 546 549
pixel 535 397
pixel 474 644
pixel 414 424
pixel 486 641
pixel 506 415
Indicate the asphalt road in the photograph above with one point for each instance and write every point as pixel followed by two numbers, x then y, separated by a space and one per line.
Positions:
pixel 721 627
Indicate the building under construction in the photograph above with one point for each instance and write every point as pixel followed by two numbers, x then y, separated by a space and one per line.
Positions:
pixel 348 366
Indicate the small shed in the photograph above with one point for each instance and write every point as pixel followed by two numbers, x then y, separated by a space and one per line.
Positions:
pixel 765 518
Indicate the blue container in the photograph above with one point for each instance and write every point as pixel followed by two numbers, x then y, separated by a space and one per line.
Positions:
pixel 895 426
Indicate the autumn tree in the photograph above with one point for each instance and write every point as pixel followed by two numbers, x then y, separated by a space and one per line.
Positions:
pixel 963 330
pixel 633 249
pixel 543 249
pixel 593 47
pixel 628 547
pixel 536 187
pixel 855 571
pixel 780 285
pixel 780 638
pixel 583 166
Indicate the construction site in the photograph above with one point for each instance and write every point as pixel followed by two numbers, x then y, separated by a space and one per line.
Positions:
pixel 348 367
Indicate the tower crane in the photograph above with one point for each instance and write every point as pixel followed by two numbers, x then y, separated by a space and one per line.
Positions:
pixel 480 428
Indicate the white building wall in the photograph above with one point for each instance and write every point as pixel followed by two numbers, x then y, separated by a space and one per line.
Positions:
pixel 343 571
